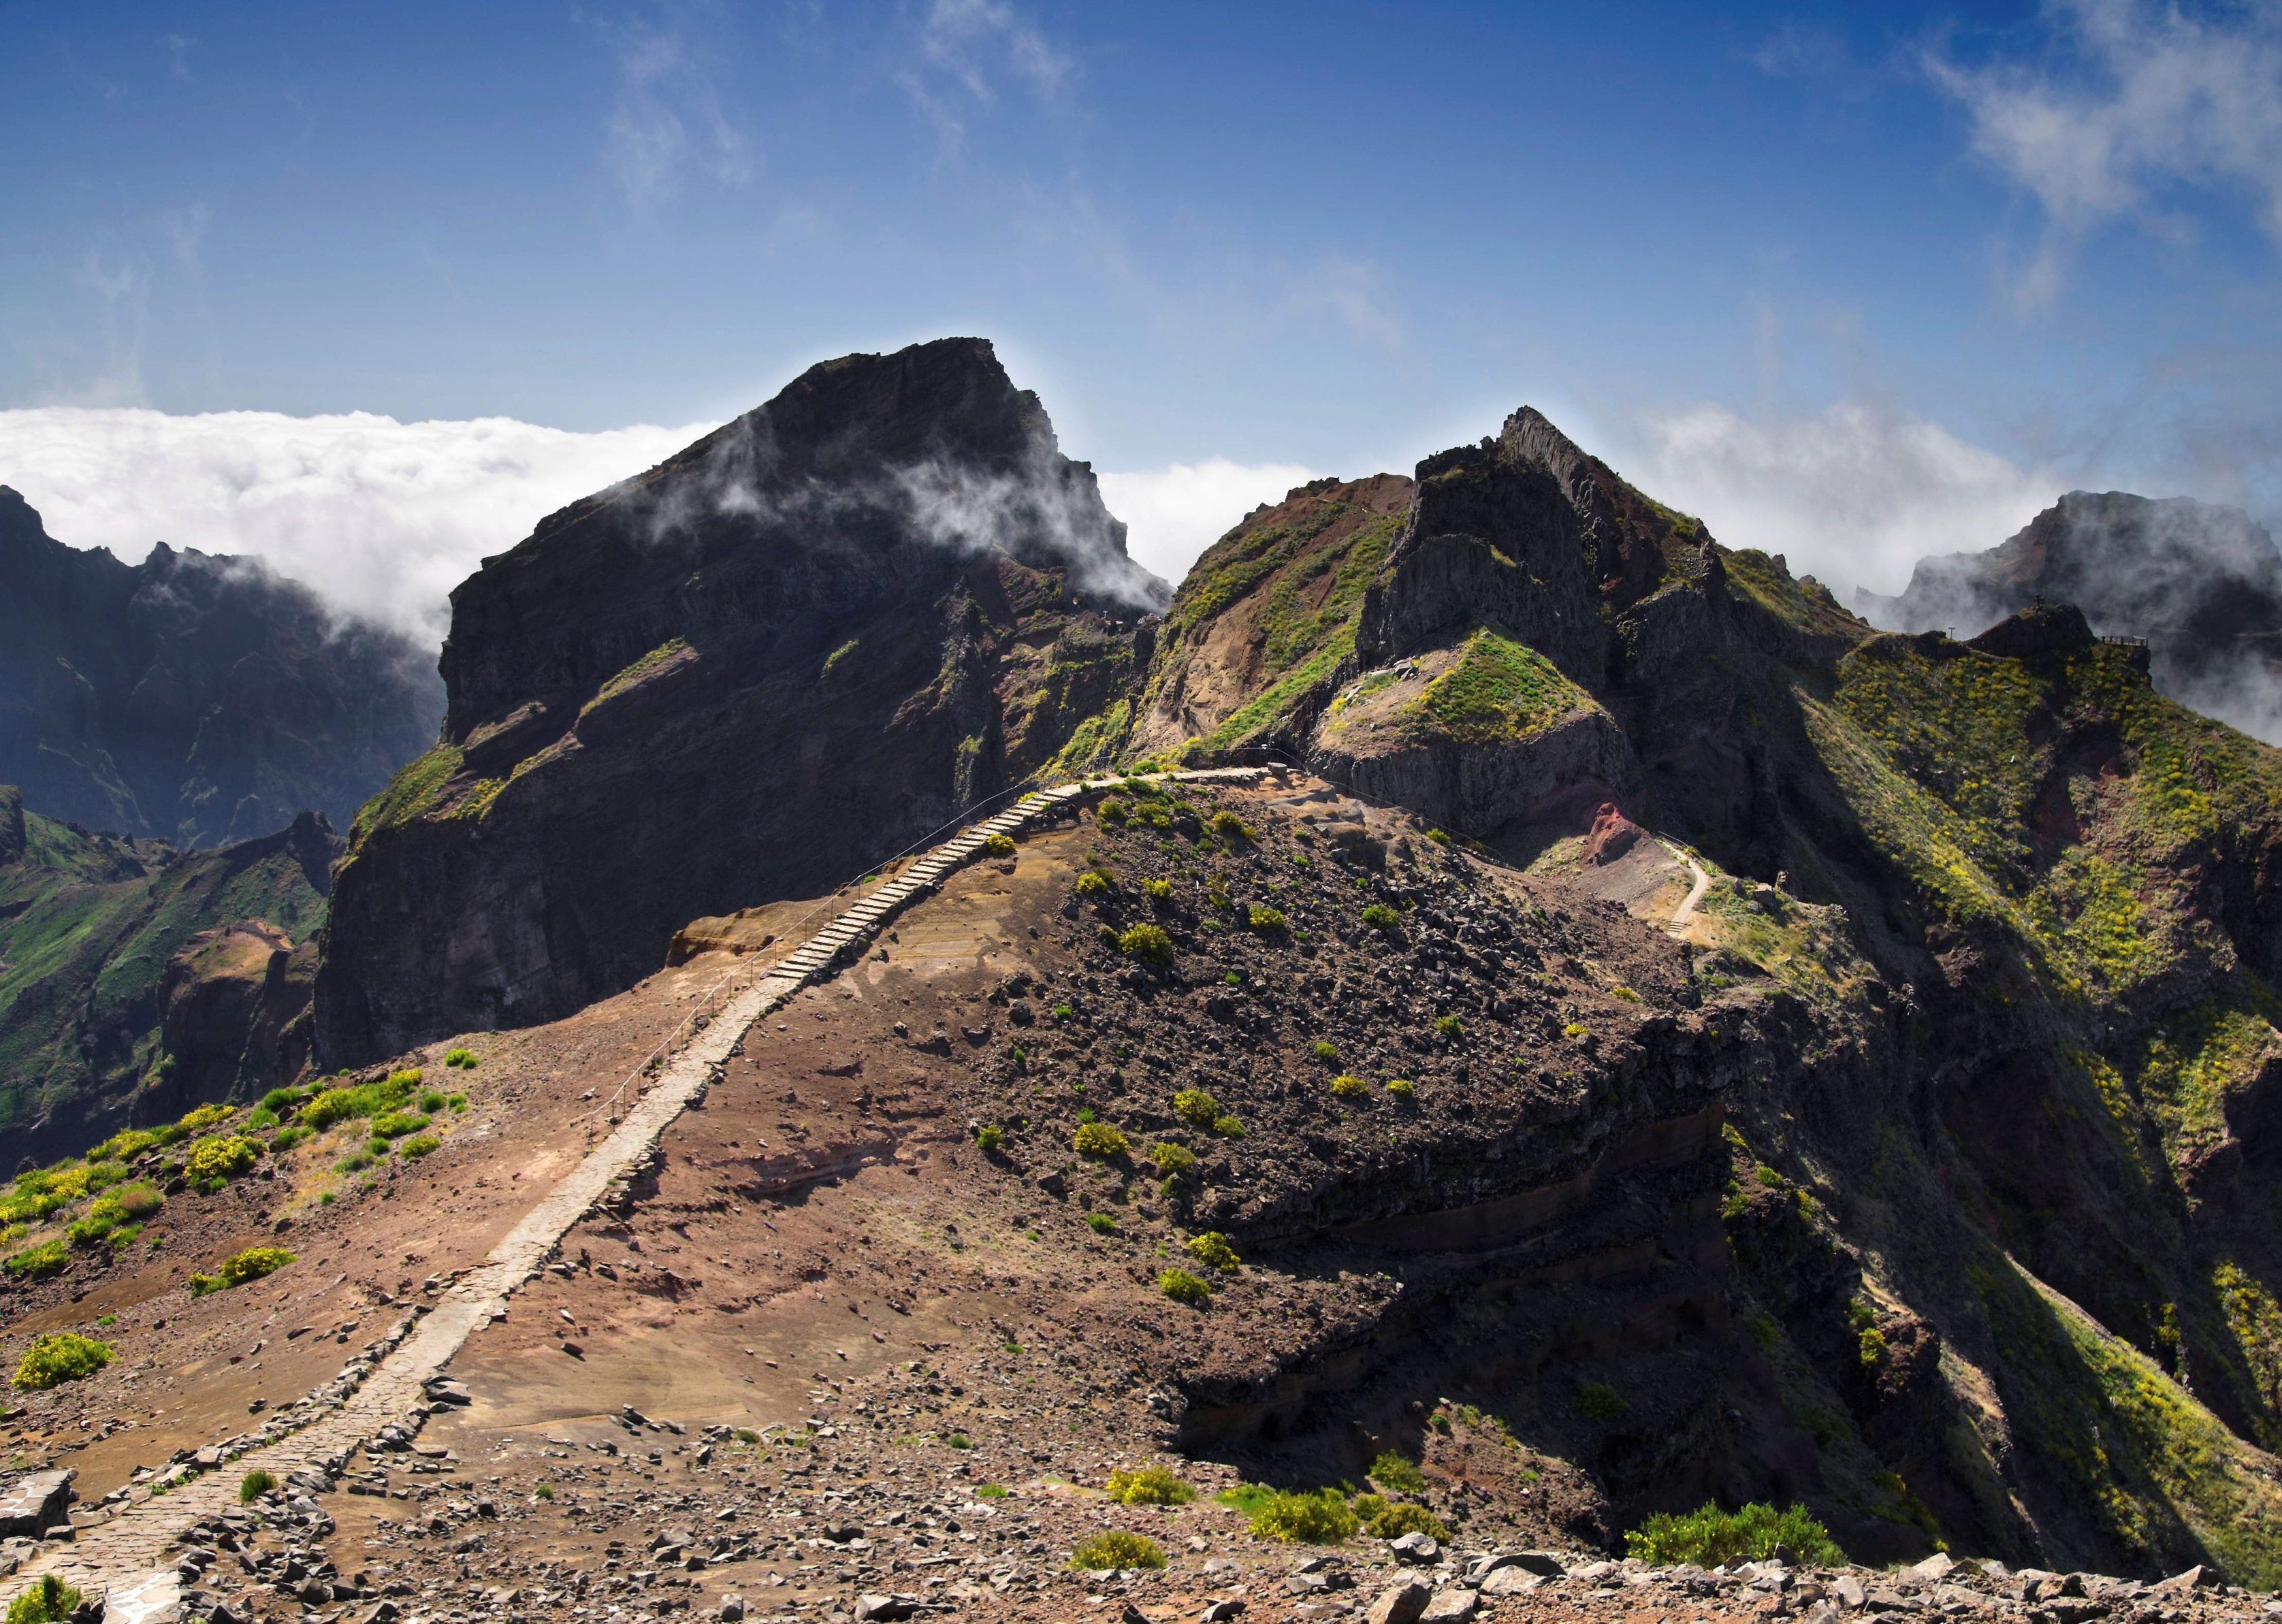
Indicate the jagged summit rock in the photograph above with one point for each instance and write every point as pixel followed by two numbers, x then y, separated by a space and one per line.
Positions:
pixel 765 665
pixel 2201 583
pixel 199 699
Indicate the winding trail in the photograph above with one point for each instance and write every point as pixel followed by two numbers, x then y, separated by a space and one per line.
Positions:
pixel 126 1559
pixel 1695 894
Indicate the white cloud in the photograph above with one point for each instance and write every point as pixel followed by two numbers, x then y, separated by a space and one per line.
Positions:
pixel 1854 495
pixel 669 118
pixel 972 43
pixel 381 517
pixel 2162 99
pixel 1173 513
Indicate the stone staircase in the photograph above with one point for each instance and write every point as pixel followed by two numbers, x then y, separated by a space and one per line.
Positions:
pixel 126 1559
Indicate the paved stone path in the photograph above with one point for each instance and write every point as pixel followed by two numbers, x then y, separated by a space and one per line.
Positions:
pixel 127 1558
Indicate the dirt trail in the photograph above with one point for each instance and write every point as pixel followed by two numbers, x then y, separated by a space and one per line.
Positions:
pixel 1696 892
pixel 127 1558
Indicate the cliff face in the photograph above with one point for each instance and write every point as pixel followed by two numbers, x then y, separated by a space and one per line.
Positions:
pixel 199 700
pixel 2203 583
pixel 102 1017
pixel 767 664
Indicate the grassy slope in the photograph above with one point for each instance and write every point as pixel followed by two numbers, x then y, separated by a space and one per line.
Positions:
pixel 89 923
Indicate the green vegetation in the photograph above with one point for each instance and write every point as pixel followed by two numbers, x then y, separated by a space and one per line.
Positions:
pixel 1149 1485
pixel 1328 1053
pixel 1379 916
pixel 1494 689
pixel 1106 1552
pixel 254 1485
pixel 223 1157
pixel 999 844
pixel 1598 1401
pixel 1146 942
pixel 419 1145
pixel 1157 890
pixel 1093 883
pixel 1268 921
pixel 634 673
pixel 60 1357
pixel 88 925
pixel 346 1102
pixel 1403 1088
pixel 460 1057
pixel 1231 828
pixel 38 1262
pixel 49 1601
pixel 1449 1026
pixel 1320 1518
pixel 1172 1160
pixel 989 1138
pixel 1212 1251
pixel 250 1265
pixel 1394 1519
pixel 544 1491
pixel 990 1491
pixel 1708 1537
pixel 1197 1106
pixel 1349 1087
pixel 1398 1472
pixel 1183 1286
pixel 1101 1222
pixel 1228 1127
pixel 1099 1138
pixel 396 1125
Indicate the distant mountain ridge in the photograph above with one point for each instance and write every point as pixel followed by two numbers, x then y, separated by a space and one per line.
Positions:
pixel 2203 583
pixel 195 699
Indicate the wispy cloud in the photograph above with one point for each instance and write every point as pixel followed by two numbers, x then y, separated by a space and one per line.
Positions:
pixel 2141 100
pixel 1173 513
pixel 669 118
pixel 382 518
pixel 1855 494
pixel 967 49
pixel 1354 293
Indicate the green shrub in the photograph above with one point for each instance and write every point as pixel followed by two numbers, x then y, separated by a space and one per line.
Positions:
pixel 1379 916
pixel 1157 890
pixel 205 1116
pixel 355 1162
pixel 1197 1106
pixel 1396 1471
pixel 1101 1222
pixel 431 1101
pixel 1708 1537
pixel 1105 1552
pixel 1099 1138
pixel 287 1137
pixel 260 1119
pixel 1172 1160
pixel 999 844
pixel 254 1485
pixel 60 1357
pixel 544 1491
pixel 396 1125
pixel 278 1102
pixel 250 1265
pixel 1621 991
pixel 1183 1286
pixel 1212 1249
pixel 990 1491
pixel 1111 811
pixel 1349 1087
pixel 1598 1401
pixel 35 1263
pixel 49 1601
pixel 1328 1053
pixel 225 1155
pixel 1403 1088
pixel 988 1137
pixel 463 1058
pixel 1149 1485
pixel 1228 1127
pixel 959 1441
pixel 124 1146
pixel 1265 920
pixel 1148 943
pixel 1449 1026
pixel 1093 882
pixel 412 1149
pixel 458 1102
pixel 1322 1518
pixel 1231 828
pixel 341 1104
pixel 1394 1519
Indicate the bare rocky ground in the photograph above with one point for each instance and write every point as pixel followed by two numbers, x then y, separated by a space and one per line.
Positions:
pixel 827 1358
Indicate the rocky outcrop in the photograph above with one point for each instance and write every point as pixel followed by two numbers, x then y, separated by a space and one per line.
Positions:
pixel 769 663
pixel 2203 583
pixel 137 979
pixel 197 698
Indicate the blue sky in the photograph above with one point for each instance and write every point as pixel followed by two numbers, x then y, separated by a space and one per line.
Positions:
pixel 1859 284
